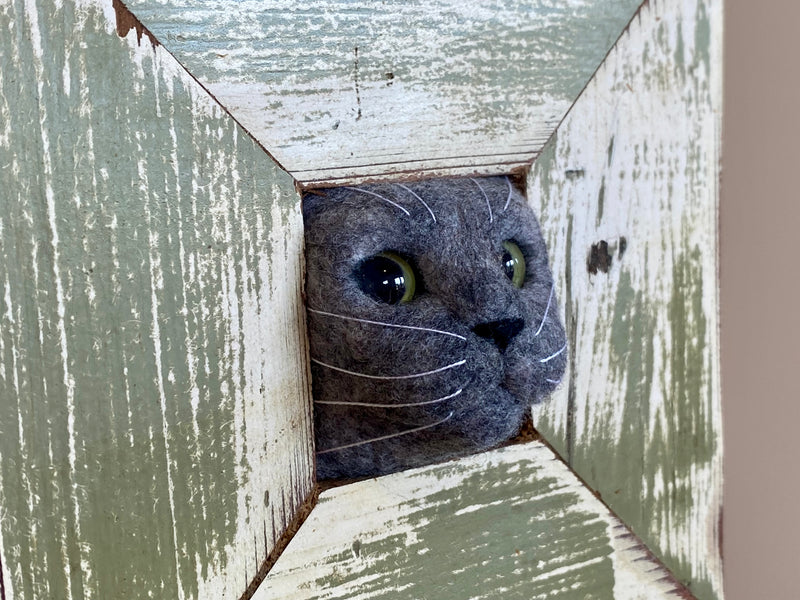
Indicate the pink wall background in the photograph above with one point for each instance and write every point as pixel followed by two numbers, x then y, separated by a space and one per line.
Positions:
pixel 760 288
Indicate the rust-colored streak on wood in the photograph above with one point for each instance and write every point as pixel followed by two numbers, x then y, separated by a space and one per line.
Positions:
pixel 679 588
pixel 303 511
pixel 127 21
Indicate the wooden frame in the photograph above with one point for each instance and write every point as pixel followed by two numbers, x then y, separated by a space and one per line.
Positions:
pixel 154 397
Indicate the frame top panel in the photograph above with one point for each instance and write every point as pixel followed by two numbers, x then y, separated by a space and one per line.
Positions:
pixel 339 90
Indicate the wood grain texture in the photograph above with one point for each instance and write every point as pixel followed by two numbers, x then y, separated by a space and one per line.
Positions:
pixel 154 426
pixel 339 91
pixel 154 411
pixel 628 192
pixel 511 523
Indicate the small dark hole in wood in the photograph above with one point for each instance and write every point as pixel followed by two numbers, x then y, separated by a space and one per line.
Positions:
pixel 599 258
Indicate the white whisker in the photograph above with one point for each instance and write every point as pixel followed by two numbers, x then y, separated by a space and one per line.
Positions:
pixel 429 330
pixel 508 200
pixel 378 196
pixel 386 437
pixel 547 308
pixel 552 356
pixel 411 376
pixel 475 181
pixel 413 193
pixel 553 381
pixel 377 405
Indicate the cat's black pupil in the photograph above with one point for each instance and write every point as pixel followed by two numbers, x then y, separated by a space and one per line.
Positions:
pixel 382 279
pixel 509 264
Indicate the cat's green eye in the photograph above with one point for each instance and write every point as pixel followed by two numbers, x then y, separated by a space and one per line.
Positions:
pixel 513 263
pixel 387 277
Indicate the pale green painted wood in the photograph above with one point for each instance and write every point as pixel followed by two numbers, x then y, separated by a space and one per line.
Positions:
pixel 636 164
pixel 657 87
pixel 513 523
pixel 154 417
pixel 343 90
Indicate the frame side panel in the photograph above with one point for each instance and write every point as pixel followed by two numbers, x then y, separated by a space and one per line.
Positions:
pixel 628 190
pixel 155 431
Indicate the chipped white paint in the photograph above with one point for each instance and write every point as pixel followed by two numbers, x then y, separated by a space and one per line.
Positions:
pixel 5 573
pixel 68 381
pixel 154 414
pixel 468 94
pixel 411 531
pixel 156 286
pixel 340 91
pixel 635 164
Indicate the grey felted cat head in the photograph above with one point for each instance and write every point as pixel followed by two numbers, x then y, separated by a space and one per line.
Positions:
pixel 432 317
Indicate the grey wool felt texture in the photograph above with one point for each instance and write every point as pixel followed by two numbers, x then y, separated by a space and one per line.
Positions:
pixel 399 381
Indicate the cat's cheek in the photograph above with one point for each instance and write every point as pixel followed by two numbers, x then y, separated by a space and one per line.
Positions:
pixel 493 416
pixel 532 381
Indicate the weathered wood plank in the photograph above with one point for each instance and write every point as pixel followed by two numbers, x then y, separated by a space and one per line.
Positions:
pixel 511 523
pixel 154 417
pixel 342 90
pixel 628 194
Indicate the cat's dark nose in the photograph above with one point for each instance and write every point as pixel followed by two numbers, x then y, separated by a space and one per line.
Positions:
pixel 500 332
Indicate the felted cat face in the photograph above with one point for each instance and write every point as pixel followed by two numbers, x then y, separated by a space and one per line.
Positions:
pixel 433 322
